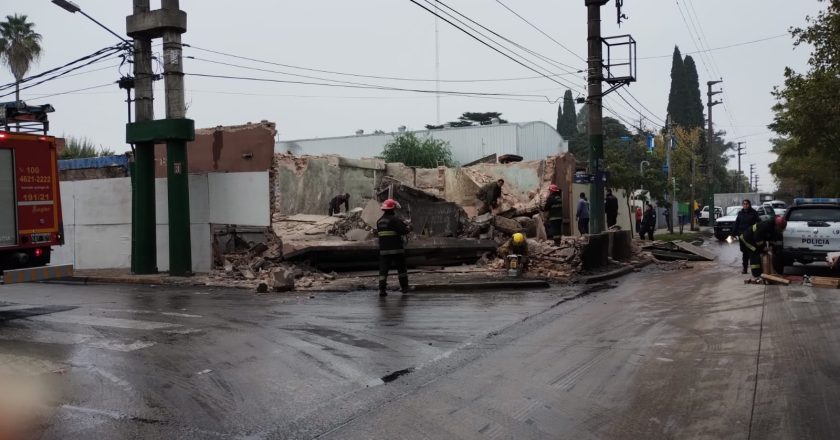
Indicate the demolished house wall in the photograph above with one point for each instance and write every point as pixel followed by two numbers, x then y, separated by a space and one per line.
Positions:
pixel 305 185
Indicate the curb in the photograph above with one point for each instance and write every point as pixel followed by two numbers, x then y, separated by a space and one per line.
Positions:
pixel 483 285
pixel 118 280
pixel 592 279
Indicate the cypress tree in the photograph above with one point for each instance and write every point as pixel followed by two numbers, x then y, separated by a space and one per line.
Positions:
pixel 567 124
pixel 693 105
pixel 677 95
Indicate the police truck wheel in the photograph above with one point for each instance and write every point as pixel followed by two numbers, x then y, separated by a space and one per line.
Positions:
pixel 779 263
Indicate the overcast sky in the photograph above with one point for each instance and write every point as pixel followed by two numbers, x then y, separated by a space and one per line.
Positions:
pixel 396 38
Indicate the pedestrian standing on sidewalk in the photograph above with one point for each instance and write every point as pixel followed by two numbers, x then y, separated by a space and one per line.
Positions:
pixel 554 208
pixel 391 231
pixel 648 222
pixel 611 208
pixel 583 214
pixel 668 219
pixel 747 217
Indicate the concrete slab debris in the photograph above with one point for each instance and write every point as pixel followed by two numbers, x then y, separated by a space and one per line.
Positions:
pixel 359 235
pixel 696 250
pixel 371 213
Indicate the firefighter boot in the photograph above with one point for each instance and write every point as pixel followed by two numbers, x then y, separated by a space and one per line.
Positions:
pixel 403 277
pixel 382 288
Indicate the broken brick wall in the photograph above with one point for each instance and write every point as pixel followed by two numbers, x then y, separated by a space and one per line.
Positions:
pixel 306 184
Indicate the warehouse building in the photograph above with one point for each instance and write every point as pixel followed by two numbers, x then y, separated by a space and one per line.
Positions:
pixel 530 140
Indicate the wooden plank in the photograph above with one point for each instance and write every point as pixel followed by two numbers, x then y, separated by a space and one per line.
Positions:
pixel 775 279
pixel 825 282
pixel 688 247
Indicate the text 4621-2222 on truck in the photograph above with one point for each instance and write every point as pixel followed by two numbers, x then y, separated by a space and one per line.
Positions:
pixel 30 204
pixel 813 230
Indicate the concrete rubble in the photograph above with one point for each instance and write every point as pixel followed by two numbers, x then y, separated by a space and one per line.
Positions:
pixel 440 204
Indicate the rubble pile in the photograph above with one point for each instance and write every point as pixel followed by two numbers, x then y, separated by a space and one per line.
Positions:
pixel 351 226
pixel 262 268
pixel 550 260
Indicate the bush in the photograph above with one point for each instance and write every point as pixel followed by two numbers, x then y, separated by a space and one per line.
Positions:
pixel 412 151
pixel 77 148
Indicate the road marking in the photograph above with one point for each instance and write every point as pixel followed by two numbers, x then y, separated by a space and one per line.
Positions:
pixel 97 321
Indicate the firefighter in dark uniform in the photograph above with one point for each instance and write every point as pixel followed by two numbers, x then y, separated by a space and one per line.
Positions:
pixel 554 208
pixel 391 229
pixel 489 196
pixel 337 201
pixel 746 218
pixel 758 237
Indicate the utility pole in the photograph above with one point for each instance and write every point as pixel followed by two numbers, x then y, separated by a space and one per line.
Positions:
pixel 167 23
pixel 668 146
pixel 144 237
pixel 740 153
pixel 709 156
pixel 595 76
pixel 752 173
pixel 756 182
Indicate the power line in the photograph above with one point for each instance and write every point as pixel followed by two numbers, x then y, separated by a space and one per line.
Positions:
pixel 643 106
pixel 59 74
pixel 390 78
pixel 540 31
pixel 489 45
pixel 76 90
pixel 109 50
pixel 551 61
pixel 372 87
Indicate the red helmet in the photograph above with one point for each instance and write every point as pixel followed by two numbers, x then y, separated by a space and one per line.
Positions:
pixel 553 188
pixel 781 223
pixel 390 204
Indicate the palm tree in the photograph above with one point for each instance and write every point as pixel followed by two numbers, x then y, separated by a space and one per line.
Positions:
pixel 20 46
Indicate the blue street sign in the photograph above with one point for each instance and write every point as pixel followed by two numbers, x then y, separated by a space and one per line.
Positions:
pixel 650 143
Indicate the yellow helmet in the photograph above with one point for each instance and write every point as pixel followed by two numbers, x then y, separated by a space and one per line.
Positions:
pixel 518 238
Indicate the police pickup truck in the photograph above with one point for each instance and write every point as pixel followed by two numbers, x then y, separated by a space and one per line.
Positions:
pixel 813 230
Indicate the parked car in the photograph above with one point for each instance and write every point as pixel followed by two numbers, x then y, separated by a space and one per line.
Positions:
pixel 778 206
pixel 813 230
pixel 724 225
pixel 704 214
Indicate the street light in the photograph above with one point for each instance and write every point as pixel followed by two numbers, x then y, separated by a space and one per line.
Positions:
pixel 72 8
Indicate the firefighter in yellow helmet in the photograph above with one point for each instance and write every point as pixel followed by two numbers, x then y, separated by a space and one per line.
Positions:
pixel 517 245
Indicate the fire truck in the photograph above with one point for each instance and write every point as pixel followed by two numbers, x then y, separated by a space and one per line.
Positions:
pixel 30 201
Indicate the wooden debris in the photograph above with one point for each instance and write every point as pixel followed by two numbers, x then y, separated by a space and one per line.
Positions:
pixel 830 282
pixel 775 279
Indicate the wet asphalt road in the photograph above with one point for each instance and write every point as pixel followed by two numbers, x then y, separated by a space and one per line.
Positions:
pixel 682 354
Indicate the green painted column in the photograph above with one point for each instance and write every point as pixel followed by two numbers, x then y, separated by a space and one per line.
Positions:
pixel 144 245
pixel 597 221
pixel 180 254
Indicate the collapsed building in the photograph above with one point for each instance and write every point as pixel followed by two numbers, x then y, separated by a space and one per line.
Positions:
pixel 259 217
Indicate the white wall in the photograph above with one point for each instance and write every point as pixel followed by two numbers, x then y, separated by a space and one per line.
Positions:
pixel 97 217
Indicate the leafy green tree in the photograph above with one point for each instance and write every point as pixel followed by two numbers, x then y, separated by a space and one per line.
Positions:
pixel 77 148
pixel 485 118
pixel 20 46
pixel 413 151
pixel 567 122
pixel 807 110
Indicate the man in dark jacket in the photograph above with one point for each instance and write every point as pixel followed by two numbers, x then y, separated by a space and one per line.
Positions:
pixel 390 230
pixel 648 223
pixel 337 201
pixel 489 196
pixel 758 237
pixel 554 208
pixel 611 208
pixel 747 217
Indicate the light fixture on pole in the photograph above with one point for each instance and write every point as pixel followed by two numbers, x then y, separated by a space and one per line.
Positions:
pixel 72 8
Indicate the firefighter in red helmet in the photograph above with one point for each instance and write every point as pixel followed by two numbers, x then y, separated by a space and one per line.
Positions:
pixel 391 231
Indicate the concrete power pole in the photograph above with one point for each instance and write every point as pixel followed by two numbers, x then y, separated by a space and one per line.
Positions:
pixel 168 23
pixel 740 153
pixel 595 76
pixel 144 235
pixel 709 158
pixel 669 140
pixel 752 173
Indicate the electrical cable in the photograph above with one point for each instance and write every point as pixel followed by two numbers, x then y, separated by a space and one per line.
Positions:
pixel 489 45
pixel 59 74
pixel 554 63
pixel 110 50
pixel 371 87
pixel 76 90
pixel 541 31
pixel 390 78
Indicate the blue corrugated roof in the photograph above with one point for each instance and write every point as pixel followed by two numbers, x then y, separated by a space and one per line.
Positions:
pixel 93 162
